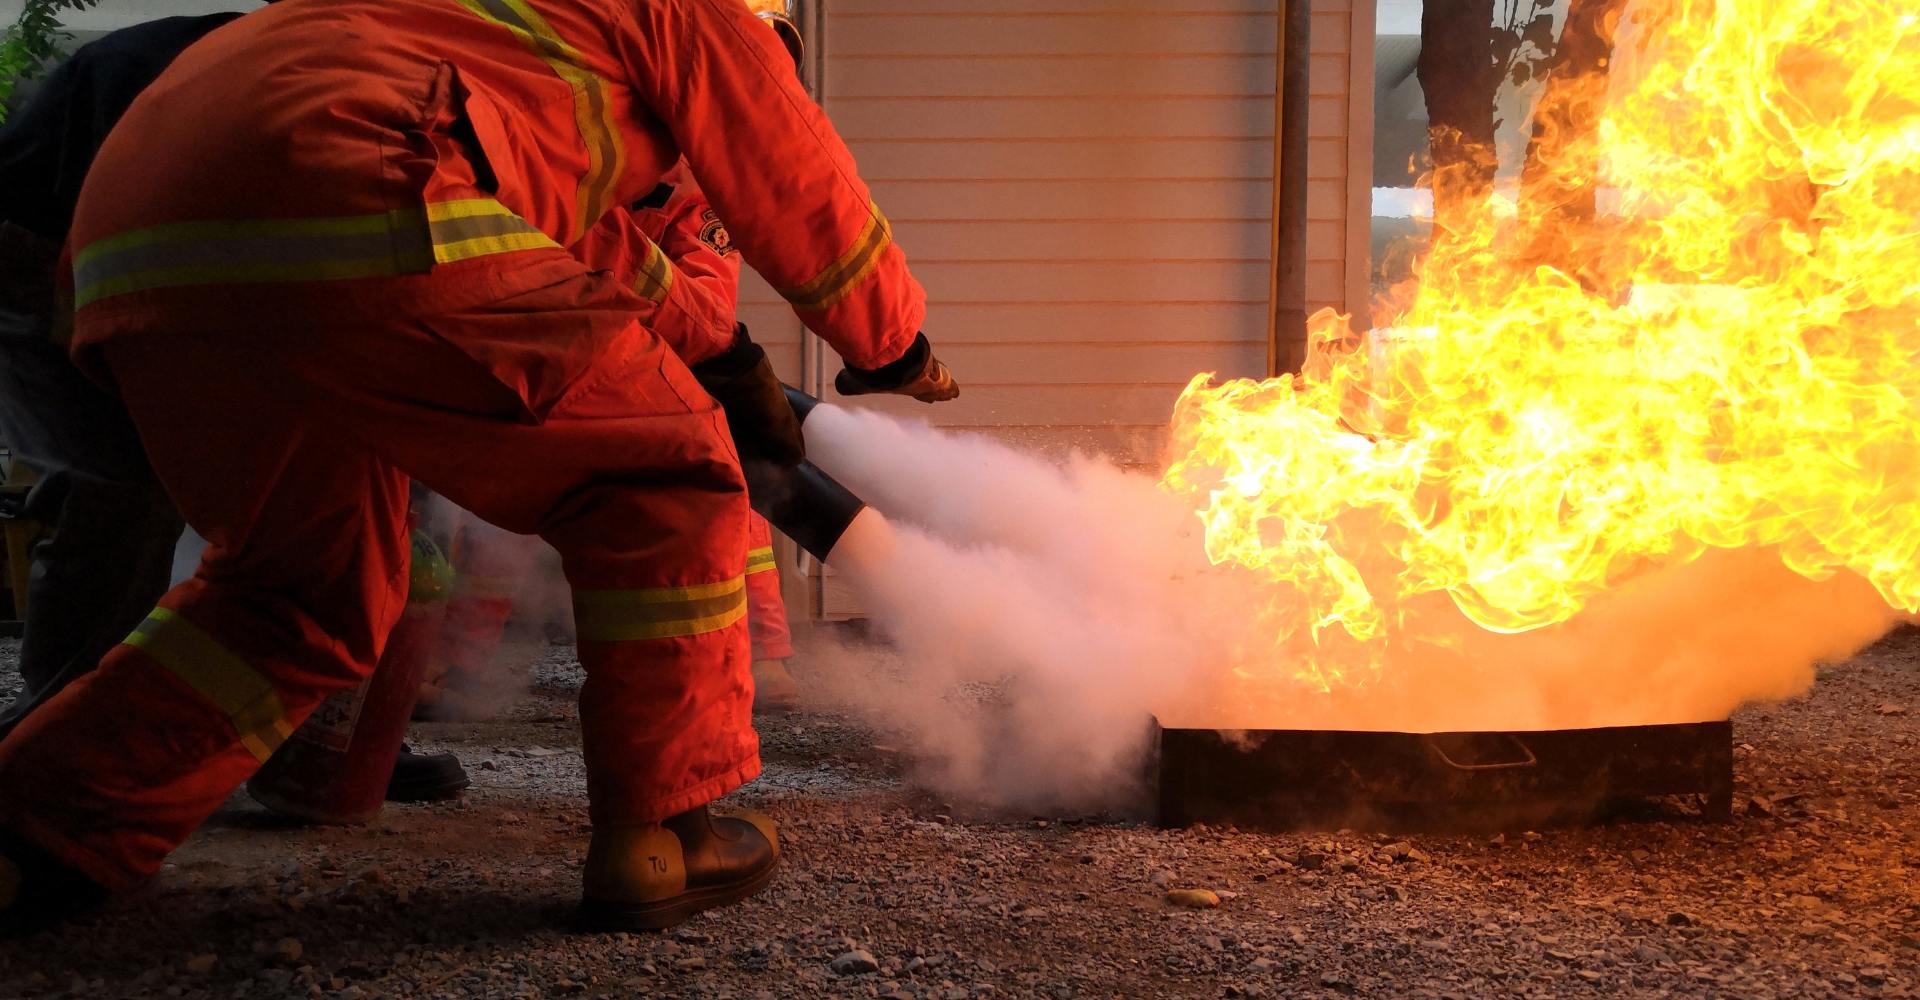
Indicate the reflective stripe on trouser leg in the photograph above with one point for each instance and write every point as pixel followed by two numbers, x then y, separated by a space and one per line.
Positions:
pixel 305 576
pixel 658 612
pixel 766 607
pixel 249 701
pixel 114 772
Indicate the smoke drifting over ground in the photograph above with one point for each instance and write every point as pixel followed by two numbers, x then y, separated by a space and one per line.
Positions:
pixel 508 599
pixel 1079 596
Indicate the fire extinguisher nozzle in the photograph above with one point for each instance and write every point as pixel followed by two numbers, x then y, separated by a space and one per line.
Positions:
pixel 805 503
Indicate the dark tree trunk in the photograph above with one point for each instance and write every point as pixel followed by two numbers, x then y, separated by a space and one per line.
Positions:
pixel 1460 77
pixel 1559 177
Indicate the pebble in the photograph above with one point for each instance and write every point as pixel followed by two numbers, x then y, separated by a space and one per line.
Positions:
pixel 1648 953
pixel 857 962
pixel 1193 899
pixel 200 965
pixel 288 950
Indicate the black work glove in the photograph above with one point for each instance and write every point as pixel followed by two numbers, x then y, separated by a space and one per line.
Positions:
pixel 741 380
pixel 918 374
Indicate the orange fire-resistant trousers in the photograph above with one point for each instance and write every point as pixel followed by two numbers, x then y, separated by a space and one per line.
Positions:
pixel 766 607
pixel 288 445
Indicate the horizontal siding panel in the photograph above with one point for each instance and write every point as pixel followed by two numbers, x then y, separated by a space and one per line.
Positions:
pixel 1026 201
pixel 1327 159
pixel 1053 322
pixel 1326 282
pixel 1070 281
pixel 1075 76
pixel 755 291
pixel 1113 239
pixel 1055 118
pixel 1009 35
pixel 1327 74
pixel 1326 200
pixel 1331 31
pixel 1171 159
pixel 1038 406
pixel 1326 240
pixel 984 365
pixel 1327 117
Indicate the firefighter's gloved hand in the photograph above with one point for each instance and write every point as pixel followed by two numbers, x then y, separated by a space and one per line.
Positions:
pixel 918 374
pixel 741 380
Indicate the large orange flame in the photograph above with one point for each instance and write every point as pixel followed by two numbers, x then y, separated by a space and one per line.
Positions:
pixel 1726 355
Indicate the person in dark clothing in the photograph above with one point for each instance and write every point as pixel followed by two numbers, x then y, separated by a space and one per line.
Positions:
pixel 109 555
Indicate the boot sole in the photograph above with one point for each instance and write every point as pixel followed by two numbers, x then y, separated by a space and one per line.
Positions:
pixel 428 791
pixel 598 916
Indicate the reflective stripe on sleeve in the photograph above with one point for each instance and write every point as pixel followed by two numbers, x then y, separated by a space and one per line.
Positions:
pixel 592 109
pixel 658 613
pixel 216 674
pixel 760 560
pixel 249 251
pixel 841 277
pixel 655 279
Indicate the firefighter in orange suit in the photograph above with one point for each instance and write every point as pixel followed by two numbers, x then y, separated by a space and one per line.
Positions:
pixel 676 253
pixel 352 271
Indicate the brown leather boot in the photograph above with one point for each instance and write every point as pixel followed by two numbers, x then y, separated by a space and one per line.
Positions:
pixel 654 875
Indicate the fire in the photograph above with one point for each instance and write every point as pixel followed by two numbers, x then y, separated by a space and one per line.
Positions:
pixel 1725 356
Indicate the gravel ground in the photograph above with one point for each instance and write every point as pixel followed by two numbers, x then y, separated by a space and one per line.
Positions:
pixel 1810 892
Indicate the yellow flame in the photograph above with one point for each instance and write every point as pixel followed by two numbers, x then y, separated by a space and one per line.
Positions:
pixel 1726 355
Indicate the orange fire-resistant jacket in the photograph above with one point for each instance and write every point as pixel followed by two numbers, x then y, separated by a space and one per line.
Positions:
pixel 676 255
pixel 334 165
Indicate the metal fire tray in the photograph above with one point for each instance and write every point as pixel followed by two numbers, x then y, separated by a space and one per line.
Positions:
pixel 1472 782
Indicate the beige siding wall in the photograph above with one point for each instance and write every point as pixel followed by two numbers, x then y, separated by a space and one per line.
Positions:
pixel 1084 187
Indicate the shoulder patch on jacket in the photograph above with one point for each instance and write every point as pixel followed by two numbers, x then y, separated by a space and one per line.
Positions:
pixel 715 235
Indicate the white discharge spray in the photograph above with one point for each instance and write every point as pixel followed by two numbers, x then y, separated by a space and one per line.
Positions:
pixel 1077 596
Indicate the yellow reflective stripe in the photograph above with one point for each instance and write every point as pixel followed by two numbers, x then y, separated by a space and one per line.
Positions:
pixel 232 274
pixel 842 276
pixel 655 279
pixel 476 227
pixel 219 676
pixel 659 612
pixel 223 229
pixel 592 108
pixel 243 251
pixel 760 560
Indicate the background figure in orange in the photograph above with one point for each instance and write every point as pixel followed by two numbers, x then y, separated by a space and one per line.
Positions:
pixel 695 312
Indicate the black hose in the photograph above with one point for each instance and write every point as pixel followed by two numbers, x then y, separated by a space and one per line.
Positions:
pixel 802 403
pixel 806 504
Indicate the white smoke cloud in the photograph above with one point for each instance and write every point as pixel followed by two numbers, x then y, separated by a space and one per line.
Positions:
pixel 1077 595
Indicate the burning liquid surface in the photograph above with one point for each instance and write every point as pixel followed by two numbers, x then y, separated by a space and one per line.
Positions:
pixel 1634 466
pixel 1577 409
